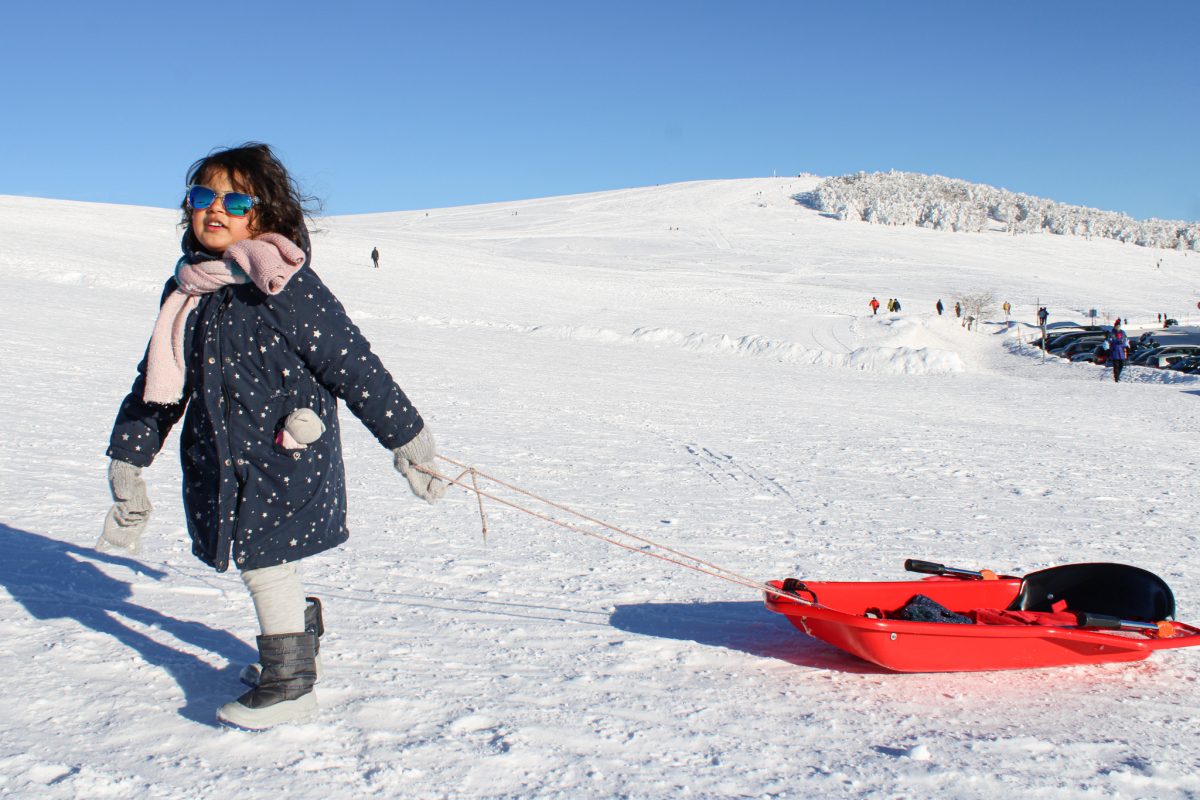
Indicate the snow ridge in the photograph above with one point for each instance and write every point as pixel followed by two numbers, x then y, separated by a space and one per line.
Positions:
pixel 892 360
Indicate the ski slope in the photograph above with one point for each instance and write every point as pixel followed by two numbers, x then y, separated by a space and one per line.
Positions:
pixel 693 362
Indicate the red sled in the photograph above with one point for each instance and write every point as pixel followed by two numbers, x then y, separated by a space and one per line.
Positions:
pixel 1071 614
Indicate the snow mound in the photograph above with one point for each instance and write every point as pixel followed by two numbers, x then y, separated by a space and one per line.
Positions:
pixel 905 360
pixel 902 353
pixel 892 360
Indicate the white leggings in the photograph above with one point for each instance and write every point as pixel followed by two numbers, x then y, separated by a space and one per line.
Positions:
pixel 278 598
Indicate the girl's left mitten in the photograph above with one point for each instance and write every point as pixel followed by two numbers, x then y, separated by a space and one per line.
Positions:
pixel 130 511
pixel 415 462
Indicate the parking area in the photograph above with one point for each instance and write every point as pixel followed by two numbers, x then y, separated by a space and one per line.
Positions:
pixel 1175 348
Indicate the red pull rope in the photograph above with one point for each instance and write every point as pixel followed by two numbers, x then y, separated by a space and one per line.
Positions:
pixel 676 556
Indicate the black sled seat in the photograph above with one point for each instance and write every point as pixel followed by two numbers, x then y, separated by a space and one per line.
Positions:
pixel 1117 590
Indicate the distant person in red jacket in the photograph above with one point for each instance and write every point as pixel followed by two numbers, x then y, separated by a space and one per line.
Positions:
pixel 874 304
pixel 1118 344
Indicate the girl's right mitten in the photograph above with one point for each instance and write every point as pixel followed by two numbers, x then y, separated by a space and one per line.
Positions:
pixel 126 520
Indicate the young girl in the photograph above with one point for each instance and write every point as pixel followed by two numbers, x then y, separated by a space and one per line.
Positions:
pixel 257 350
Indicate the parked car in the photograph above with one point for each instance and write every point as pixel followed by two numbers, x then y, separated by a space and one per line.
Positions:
pixel 1088 343
pixel 1189 365
pixel 1141 345
pixel 1142 358
pixel 1092 352
pixel 1174 354
pixel 1063 339
pixel 1158 356
pixel 1048 339
pixel 1053 334
pixel 1145 340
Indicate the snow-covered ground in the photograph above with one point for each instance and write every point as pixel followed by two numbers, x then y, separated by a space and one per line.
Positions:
pixel 693 362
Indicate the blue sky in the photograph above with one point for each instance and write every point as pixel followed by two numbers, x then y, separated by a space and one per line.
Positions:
pixel 379 106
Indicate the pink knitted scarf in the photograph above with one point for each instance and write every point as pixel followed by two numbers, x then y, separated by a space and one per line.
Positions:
pixel 269 261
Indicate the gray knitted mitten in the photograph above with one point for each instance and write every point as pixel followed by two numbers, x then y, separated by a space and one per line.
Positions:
pixel 128 516
pixel 302 428
pixel 420 452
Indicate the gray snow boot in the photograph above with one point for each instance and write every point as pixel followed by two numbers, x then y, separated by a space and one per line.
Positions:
pixel 285 687
pixel 314 623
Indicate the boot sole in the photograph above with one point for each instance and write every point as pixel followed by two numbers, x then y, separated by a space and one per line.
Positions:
pixel 237 715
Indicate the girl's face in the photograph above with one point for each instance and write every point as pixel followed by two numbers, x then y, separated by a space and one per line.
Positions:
pixel 215 229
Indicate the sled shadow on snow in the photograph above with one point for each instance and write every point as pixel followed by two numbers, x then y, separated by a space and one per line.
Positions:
pixel 747 627
pixel 52 580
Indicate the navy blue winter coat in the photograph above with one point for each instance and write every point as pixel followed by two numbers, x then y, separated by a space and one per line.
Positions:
pixel 252 359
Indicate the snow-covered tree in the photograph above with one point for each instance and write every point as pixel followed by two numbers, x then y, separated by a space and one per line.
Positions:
pixel 976 306
pixel 948 204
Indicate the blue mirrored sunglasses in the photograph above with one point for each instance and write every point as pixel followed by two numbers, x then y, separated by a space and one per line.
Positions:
pixel 236 204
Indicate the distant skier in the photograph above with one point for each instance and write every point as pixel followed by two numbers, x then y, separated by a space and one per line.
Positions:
pixel 957 310
pixel 874 304
pixel 939 306
pixel 375 256
pixel 1043 316
pixel 896 304
pixel 1007 308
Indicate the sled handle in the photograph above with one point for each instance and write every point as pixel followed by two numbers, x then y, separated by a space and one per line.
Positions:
pixel 1086 619
pixel 932 568
pixel 795 586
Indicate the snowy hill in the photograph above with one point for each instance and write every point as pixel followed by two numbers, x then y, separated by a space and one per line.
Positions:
pixel 694 362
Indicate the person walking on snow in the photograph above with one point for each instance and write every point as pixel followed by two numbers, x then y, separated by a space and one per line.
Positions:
pixel 1118 346
pixel 1007 308
pixel 957 309
pixel 375 257
pixel 874 304
pixel 939 306
pixel 257 351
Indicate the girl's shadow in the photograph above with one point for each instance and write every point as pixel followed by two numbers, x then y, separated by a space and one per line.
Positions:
pixel 748 627
pixel 57 580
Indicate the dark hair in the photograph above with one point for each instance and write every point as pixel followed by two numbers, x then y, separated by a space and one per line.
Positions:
pixel 253 168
